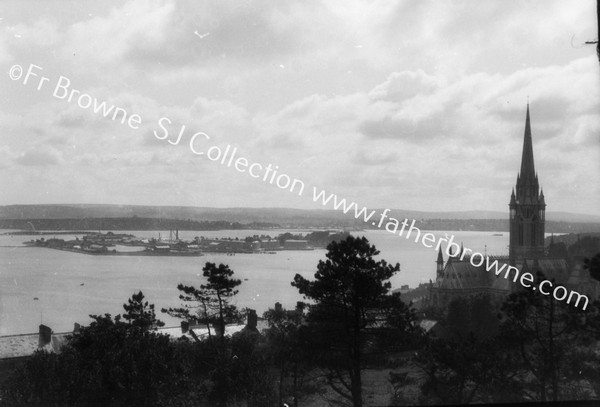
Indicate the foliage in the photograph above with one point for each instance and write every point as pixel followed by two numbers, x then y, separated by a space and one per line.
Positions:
pixel 468 369
pixel 210 303
pixel 287 344
pixel 115 363
pixel 547 335
pixel 352 306
pixel 108 363
pixel 141 314
pixel 593 265
pixel 542 350
pixel 471 316
pixel 586 246
pixel 558 250
pixel 250 371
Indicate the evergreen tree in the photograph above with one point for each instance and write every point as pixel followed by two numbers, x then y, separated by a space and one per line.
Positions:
pixel 209 304
pixel 350 291
pixel 593 265
pixel 286 341
pixel 108 363
pixel 141 314
pixel 546 336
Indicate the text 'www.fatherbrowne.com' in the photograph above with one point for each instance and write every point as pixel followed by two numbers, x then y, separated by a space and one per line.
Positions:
pixel 408 230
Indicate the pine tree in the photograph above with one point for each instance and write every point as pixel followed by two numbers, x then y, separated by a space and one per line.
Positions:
pixel 352 309
pixel 141 314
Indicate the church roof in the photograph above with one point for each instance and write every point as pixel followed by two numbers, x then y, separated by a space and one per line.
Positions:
pixel 461 274
pixel 557 269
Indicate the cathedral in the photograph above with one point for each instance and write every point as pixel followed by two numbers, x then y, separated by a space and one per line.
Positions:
pixel 457 277
pixel 527 207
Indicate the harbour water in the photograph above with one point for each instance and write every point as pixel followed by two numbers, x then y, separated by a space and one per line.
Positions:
pixel 58 288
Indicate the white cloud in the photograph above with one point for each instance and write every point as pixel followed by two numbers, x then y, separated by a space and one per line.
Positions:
pixel 39 157
pixel 400 104
pixel 138 26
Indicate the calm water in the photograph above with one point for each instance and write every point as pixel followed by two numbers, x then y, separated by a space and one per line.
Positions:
pixel 70 286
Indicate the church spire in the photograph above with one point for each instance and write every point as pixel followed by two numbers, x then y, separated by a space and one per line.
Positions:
pixel 440 264
pixel 527 167
pixel 527 206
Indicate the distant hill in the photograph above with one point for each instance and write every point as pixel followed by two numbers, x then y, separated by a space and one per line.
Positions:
pixel 293 218
pixel 242 214
pixel 551 216
pixel 126 223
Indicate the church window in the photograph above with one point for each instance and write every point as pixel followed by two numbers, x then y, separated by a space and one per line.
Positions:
pixel 520 235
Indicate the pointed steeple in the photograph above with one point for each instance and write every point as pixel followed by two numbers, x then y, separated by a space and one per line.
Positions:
pixel 527 167
pixel 440 264
pixel 527 206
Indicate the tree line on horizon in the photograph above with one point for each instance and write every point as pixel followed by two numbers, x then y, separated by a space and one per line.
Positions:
pixel 136 222
pixel 129 223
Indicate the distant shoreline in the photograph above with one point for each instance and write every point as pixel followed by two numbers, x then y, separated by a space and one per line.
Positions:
pixel 132 253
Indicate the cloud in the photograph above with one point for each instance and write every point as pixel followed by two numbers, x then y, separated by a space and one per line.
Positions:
pixel 137 26
pixel 400 86
pixel 39 158
pixel 390 102
pixel 43 32
pixel 7 157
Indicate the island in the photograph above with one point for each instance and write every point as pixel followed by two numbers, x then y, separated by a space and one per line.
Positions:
pixel 122 244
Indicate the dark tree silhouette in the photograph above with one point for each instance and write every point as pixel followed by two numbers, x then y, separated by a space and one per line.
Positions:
pixel 558 250
pixel 593 265
pixel 209 304
pixel 350 291
pixel 467 370
pixel 547 335
pixel 141 314
pixel 287 343
pixel 108 363
pixel 474 315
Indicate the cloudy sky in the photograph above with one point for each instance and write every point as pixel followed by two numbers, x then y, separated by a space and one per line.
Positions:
pixel 402 104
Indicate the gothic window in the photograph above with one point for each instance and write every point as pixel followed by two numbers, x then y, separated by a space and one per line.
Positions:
pixel 520 235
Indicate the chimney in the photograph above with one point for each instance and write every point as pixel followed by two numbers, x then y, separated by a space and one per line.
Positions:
pixel 278 307
pixel 76 327
pixel 45 336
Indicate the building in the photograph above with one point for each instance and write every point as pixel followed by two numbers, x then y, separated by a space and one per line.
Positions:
pixel 16 349
pixel 527 207
pixel 458 277
pixel 292 244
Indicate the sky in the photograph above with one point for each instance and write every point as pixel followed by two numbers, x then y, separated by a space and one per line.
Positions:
pixel 414 105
